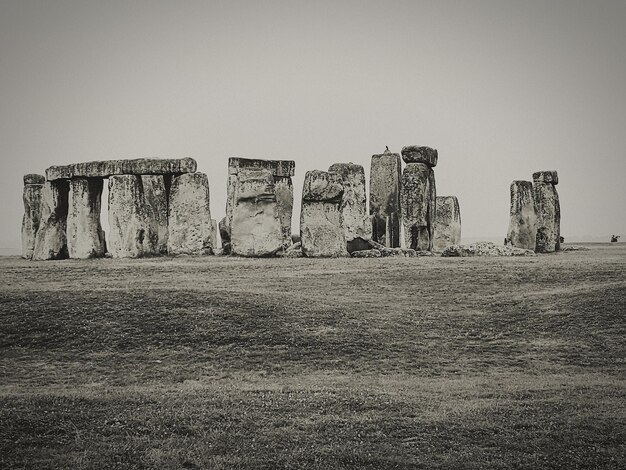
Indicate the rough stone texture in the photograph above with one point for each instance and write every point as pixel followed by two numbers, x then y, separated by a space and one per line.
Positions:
pixel 106 168
pixel 214 234
pixel 283 188
pixel 225 236
pixel 447 223
pixel 256 226
pixel 385 184
pixel 398 252
pixel 484 249
pixel 548 210
pixel 373 253
pixel 551 177
pixel 416 154
pixel 51 239
pixel 189 215
pixel 32 215
pixel 354 217
pixel 85 237
pixel 522 231
pixel 281 168
pixel 34 179
pixel 575 248
pixel 418 203
pixel 137 216
pixel 320 219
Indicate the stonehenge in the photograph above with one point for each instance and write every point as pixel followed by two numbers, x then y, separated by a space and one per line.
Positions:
pixel 418 197
pixel 85 237
pixel 548 210
pixel 33 185
pixel 447 223
pixel 385 184
pixel 51 237
pixel 522 231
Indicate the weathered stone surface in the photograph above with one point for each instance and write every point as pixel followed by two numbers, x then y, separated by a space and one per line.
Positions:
pixel 522 231
pixel 575 248
pixel 214 234
pixel 224 228
pixel 137 216
pixel 373 253
pixel 283 189
pixel 320 219
pixel 322 186
pixel 385 183
pixel 85 237
pixel 256 226
pixel 32 214
pixel 484 249
pixel 106 168
pixel 548 210
pixel 354 217
pixel 418 203
pixel 281 168
pixel 51 239
pixel 398 252
pixel 33 178
pixel 189 215
pixel 551 177
pixel 417 154
pixel 358 244
pixel 447 223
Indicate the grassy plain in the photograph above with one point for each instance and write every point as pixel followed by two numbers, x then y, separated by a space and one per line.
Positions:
pixel 352 363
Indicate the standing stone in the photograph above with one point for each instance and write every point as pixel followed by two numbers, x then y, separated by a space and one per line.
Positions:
pixel 354 218
pixel 321 231
pixel 189 215
pixel 137 216
pixel 281 171
pixel 51 239
pixel 85 237
pixel 385 183
pixel 447 223
pixel 522 231
pixel 256 225
pixel 418 197
pixel 224 228
pixel 33 185
pixel 214 231
pixel 548 210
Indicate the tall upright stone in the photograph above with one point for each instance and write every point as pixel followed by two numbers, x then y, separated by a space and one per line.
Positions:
pixel 522 231
pixel 385 184
pixel 137 216
pixel 548 210
pixel 281 171
pixel 321 230
pixel 51 239
pixel 418 197
pixel 353 207
pixel 256 228
pixel 85 237
pixel 189 215
pixel 447 223
pixel 33 185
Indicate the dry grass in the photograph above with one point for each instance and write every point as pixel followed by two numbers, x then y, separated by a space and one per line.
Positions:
pixel 352 363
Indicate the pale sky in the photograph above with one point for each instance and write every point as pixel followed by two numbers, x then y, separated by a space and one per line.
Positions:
pixel 500 88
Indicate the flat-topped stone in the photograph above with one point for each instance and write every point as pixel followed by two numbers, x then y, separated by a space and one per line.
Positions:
pixel 281 168
pixel 551 177
pixel 34 179
pixel 320 186
pixel 106 168
pixel 385 183
pixel 417 154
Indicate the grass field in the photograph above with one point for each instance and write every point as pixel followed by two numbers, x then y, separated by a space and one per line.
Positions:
pixel 219 362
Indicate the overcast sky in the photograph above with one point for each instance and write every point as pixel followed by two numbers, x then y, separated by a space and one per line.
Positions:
pixel 500 88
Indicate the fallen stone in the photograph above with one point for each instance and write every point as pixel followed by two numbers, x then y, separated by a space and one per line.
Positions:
pixel 106 168
pixel 137 216
pixel 575 248
pixel 484 249
pixel 320 218
pixel 256 229
pixel 418 203
pixel 522 231
pixel 548 211
pixel 34 179
pixel 385 183
pixel 366 254
pixel 32 214
pixel 398 252
pixel 189 215
pixel 358 244
pixel 416 154
pixel 447 223
pixel 353 207
pixel 85 237
pixel 551 177
pixel 375 244
pixel 51 238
